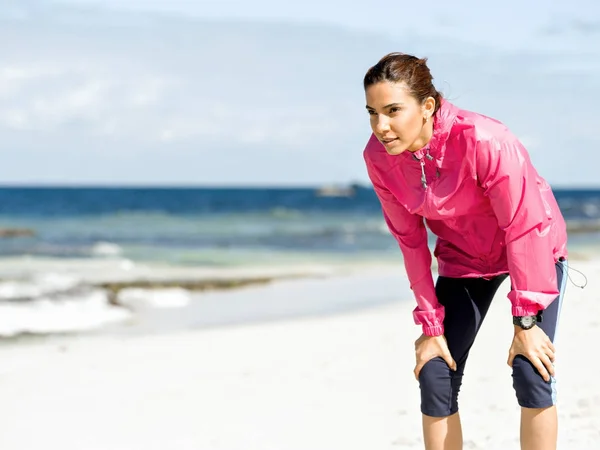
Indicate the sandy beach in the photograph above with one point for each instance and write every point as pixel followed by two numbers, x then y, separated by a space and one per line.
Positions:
pixel 335 381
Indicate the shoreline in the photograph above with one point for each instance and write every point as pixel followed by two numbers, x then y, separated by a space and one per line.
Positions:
pixel 106 296
pixel 109 296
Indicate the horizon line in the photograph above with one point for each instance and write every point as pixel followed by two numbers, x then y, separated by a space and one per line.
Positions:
pixel 333 184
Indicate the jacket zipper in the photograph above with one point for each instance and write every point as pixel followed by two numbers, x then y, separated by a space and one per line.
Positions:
pixel 422 163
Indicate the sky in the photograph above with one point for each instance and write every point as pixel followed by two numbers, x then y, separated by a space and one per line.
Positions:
pixel 168 92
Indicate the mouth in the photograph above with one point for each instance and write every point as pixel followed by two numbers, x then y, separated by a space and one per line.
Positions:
pixel 387 142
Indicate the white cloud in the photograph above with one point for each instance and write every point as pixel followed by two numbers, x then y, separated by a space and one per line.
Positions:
pixel 148 91
pixel 49 97
pixel 142 105
pixel 14 77
pixel 15 119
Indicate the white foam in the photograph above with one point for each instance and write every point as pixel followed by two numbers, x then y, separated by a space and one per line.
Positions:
pixel 127 264
pixel 106 249
pixel 137 298
pixel 39 285
pixel 45 315
pixel 46 295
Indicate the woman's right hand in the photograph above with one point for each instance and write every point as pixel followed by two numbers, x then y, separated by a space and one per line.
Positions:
pixel 429 347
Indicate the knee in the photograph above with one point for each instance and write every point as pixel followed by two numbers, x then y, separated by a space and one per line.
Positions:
pixel 531 390
pixel 439 388
pixel 434 375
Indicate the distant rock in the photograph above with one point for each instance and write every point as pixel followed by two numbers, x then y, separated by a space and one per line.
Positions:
pixel 16 232
pixel 113 288
pixel 336 191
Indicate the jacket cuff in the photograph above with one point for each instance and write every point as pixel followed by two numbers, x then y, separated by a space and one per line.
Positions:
pixel 436 330
pixel 528 303
pixel 431 320
pixel 525 310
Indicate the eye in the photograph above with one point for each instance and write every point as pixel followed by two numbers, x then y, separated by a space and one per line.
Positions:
pixel 394 109
pixel 371 112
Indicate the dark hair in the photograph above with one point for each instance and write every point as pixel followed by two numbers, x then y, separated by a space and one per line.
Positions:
pixel 408 69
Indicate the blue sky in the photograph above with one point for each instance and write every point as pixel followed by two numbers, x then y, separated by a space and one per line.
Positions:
pixel 269 92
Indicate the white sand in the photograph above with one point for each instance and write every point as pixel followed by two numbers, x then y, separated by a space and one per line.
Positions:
pixel 327 383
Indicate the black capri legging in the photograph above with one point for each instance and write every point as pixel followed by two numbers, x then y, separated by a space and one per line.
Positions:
pixel 466 302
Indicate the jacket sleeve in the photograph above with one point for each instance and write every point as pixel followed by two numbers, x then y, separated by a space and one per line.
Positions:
pixel 510 181
pixel 409 231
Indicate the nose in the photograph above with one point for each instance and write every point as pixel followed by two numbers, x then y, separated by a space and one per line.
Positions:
pixel 382 124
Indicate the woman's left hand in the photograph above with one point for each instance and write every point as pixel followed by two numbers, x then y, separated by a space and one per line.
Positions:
pixel 535 345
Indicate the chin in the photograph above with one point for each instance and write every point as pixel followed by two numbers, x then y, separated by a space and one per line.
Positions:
pixel 395 150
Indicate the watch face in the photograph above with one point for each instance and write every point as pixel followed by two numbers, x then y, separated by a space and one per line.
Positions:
pixel 527 321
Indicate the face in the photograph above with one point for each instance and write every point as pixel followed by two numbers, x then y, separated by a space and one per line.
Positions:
pixel 398 120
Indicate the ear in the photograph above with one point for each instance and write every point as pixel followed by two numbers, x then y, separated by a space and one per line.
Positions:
pixel 428 107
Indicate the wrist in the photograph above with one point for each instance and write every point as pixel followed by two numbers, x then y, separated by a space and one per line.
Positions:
pixel 517 329
pixel 526 322
pixel 432 331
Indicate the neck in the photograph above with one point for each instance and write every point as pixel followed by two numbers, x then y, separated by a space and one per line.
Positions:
pixel 424 137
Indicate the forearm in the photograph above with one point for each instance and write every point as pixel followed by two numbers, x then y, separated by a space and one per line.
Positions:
pixel 532 270
pixel 429 313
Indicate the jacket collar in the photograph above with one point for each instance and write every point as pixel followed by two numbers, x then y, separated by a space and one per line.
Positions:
pixel 443 120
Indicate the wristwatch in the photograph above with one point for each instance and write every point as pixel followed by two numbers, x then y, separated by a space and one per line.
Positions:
pixel 526 322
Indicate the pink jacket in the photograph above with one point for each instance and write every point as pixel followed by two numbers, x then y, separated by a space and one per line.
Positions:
pixel 476 188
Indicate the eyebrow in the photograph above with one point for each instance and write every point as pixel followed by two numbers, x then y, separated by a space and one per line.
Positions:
pixel 388 106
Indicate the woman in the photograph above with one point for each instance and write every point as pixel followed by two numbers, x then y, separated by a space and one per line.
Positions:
pixel 473 183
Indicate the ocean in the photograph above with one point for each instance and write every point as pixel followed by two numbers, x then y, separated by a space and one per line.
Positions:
pixel 186 226
pixel 72 237
pixel 218 226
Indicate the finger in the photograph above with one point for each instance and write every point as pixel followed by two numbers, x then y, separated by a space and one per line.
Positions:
pixel 448 358
pixel 547 364
pixel 550 353
pixel 537 363
pixel 419 340
pixel 417 370
pixel 551 345
pixel 511 358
